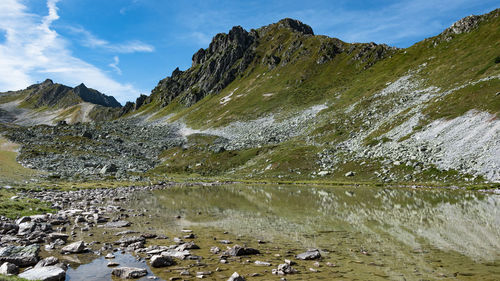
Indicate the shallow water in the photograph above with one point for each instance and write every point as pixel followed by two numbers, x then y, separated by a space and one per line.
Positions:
pixel 368 233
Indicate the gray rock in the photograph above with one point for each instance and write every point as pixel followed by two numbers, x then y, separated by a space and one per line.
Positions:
pixel 236 277
pixel 47 273
pixel 126 241
pixel 161 261
pixel 74 248
pixel 20 255
pixel 8 268
pixel 26 228
pixel 117 224
pixel 311 254
pixel 187 246
pixel 109 169
pixel 237 250
pixel 47 262
pixel 283 269
pixel 55 236
pixel 129 272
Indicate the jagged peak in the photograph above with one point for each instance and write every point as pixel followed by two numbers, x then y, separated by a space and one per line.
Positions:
pixel 295 25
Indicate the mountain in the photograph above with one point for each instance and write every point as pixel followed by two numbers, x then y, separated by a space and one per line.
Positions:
pixel 280 102
pixel 49 102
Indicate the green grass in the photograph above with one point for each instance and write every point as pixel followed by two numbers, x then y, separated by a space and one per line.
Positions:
pixel 15 208
pixel 11 278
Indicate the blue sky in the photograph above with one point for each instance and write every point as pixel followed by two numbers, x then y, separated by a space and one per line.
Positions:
pixel 124 47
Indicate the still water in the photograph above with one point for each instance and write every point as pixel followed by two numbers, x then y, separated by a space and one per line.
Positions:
pixel 369 233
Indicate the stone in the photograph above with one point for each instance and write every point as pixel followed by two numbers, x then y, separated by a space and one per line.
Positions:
pixel 283 269
pixel 26 228
pixel 21 256
pixel 236 277
pixel 8 268
pixel 55 236
pixel 350 174
pixel 126 241
pixel 237 250
pixel 161 261
pixel 311 254
pixel 117 224
pixel 47 273
pixel 262 263
pixel 47 262
pixel 187 246
pixel 214 250
pixel 129 272
pixel 108 169
pixel 74 248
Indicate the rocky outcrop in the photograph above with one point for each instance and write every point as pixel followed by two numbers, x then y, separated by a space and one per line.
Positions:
pixel 212 70
pixel 95 97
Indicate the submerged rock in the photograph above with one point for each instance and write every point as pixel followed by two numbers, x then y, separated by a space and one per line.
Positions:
pixel 20 255
pixel 129 272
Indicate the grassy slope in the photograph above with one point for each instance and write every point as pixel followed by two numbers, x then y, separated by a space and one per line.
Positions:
pixel 340 83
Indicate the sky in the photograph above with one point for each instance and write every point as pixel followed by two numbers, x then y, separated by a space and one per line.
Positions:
pixel 124 47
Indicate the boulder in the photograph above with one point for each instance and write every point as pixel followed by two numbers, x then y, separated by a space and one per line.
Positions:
pixel 237 250
pixel 8 268
pixel 125 241
pixel 20 255
pixel 161 261
pixel 74 248
pixel 311 254
pixel 47 273
pixel 236 277
pixel 129 272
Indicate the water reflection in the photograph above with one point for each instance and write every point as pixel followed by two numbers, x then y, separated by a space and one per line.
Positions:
pixel 399 222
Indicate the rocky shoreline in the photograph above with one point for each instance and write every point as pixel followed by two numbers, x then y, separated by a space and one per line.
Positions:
pixel 37 246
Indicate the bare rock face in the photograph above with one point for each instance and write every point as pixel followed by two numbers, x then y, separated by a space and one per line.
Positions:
pixel 129 272
pixel 212 70
pixel 20 255
pixel 464 25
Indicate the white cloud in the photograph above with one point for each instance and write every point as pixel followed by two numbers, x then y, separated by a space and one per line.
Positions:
pixel 33 51
pixel 114 65
pixel 92 41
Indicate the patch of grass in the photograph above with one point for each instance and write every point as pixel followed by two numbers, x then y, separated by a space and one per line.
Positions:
pixel 482 96
pixel 10 170
pixel 15 208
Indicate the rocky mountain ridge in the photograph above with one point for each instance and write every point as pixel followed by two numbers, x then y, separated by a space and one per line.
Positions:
pixel 281 102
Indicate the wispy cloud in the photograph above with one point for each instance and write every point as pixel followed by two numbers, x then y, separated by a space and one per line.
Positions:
pixel 92 41
pixel 114 65
pixel 33 50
